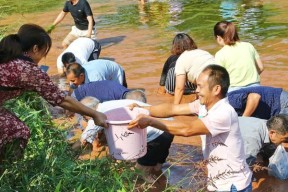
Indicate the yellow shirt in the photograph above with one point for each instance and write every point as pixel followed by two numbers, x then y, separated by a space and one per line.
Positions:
pixel 240 62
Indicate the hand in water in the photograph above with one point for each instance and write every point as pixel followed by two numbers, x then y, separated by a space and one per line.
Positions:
pixel 141 121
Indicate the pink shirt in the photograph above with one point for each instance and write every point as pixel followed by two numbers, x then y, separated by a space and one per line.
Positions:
pixel 224 147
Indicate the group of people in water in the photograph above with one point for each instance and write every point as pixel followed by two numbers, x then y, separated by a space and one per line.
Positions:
pixel 235 116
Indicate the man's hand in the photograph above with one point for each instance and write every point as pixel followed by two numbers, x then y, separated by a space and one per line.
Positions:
pixel 50 28
pixel 142 121
pixel 133 105
pixel 100 119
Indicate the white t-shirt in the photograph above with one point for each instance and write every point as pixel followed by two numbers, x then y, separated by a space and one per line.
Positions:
pixel 82 48
pixel 101 69
pixel 192 63
pixel 224 147
pixel 152 133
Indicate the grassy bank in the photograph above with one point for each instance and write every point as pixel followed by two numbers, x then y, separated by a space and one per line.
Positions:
pixel 12 7
pixel 9 7
pixel 50 165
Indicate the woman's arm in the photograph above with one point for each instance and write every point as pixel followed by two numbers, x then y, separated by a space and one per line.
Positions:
pixel 179 88
pixel 259 66
pixel 73 105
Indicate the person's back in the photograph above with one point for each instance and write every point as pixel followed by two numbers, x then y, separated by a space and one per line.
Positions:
pixel 269 104
pixel 81 48
pixel 192 63
pixel 103 90
pixel 239 60
pixel 101 69
pixel 255 133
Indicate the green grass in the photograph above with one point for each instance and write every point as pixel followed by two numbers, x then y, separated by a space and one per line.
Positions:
pixel 50 165
pixel 9 7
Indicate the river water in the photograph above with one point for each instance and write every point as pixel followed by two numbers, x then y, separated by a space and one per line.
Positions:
pixel 139 38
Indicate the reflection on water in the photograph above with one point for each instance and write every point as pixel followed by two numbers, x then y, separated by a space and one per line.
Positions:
pixel 184 170
pixel 263 23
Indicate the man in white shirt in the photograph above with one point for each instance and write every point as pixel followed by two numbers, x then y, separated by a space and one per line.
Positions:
pixel 80 51
pixel 227 168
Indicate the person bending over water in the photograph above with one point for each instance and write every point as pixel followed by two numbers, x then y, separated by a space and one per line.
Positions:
pixel 181 43
pixel 96 70
pixel 188 66
pixel 19 55
pixel 81 51
pixel 241 59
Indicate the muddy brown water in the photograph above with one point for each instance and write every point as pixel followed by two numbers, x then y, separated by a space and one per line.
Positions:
pixel 142 49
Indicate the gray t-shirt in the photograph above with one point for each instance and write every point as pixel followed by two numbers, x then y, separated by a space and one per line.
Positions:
pixel 255 133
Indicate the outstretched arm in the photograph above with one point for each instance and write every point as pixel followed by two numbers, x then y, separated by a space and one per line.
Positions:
pixel 179 89
pixel 252 103
pixel 184 128
pixel 59 18
pixel 71 104
pixel 166 109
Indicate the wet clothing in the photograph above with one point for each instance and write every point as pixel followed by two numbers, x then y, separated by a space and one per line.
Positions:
pixel 168 78
pixel 79 12
pixel 103 90
pixel 16 77
pixel 273 101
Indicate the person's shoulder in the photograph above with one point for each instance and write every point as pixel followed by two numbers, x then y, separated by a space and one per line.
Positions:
pixel 84 2
pixel 245 44
pixel 82 41
pixel 223 106
pixel 185 56
pixel 222 51
pixel 257 122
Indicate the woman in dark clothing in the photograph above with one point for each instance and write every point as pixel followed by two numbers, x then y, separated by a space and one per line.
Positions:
pixel 19 56
pixel 181 43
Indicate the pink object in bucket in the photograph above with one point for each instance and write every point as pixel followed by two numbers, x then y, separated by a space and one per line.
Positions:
pixel 123 143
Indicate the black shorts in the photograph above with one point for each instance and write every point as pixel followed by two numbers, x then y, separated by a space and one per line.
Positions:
pixel 96 51
pixel 157 150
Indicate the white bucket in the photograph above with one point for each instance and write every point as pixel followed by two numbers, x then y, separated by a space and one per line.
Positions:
pixel 123 143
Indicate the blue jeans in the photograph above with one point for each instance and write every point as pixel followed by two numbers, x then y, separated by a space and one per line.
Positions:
pixel 237 88
pixel 234 189
pixel 247 189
